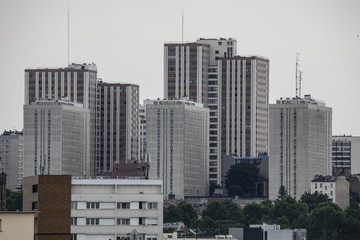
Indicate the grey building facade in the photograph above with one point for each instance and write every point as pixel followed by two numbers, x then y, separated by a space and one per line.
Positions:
pixel 12 158
pixel 234 88
pixel 299 144
pixel 56 139
pixel 177 144
pixel 346 153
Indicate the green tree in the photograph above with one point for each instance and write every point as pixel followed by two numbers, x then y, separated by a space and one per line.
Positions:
pixel 314 200
pixel 241 179
pixel 326 222
pixel 186 213
pixel 14 201
pixel 292 210
pixel 223 210
pixel 351 227
pixel 281 194
pixel 253 213
pixel 171 214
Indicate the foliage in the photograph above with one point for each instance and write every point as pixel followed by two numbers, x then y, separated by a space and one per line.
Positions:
pixel 291 209
pixel 168 230
pixel 212 188
pixel 325 222
pixel 223 210
pixel 171 214
pixel 281 194
pixel 14 201
pixel 351 226
pixel 241 179
pixel 314 200
pixel 184 212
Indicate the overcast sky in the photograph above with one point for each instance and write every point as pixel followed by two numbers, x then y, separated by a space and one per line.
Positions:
pixel 125 39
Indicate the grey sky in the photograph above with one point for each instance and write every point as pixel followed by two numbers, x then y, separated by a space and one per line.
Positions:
pixel 120 36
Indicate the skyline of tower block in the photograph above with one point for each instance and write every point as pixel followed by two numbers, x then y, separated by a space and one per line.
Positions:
pixel 235 88
pixel 346 153
pixel 12 158
pixel 56 139
pixel 75 84
pixel 177 144
pixel 299 144
pixel 117 124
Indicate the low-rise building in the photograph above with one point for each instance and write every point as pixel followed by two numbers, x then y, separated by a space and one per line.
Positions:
pixel 10 223
pixel 86 209
pixel 335 187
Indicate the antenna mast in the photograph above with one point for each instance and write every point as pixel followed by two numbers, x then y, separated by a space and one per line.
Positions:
pixel 296 75
pixel 300 78
pixel 182 27
pixel 68 37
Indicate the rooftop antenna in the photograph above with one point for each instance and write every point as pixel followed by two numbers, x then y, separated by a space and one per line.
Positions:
pixel 182 27
pixel 68 36
pixel 300 78
pixel 296 76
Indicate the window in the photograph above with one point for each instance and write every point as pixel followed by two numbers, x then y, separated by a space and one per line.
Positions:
pixel 73 236
pixel 35 188
pixel 315 185
pixel 92 221
pixel 0 225
pixel 123 221
pixel 92 205
pixel 320 185
pixel 331 193
pixel 142 205
pixel 152 205
pixel 142 221
pixel 123 205
pixel 34 206
pixel 73 205
pixel 73 221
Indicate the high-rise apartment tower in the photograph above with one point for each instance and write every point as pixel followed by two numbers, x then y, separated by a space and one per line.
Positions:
pixel 234 88
pixel 299 144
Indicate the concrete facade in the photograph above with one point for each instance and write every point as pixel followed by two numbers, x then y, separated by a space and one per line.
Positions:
pixel 346 153
pixel 177 144
pixel 10 223
pixel 234 88
pixel 299 144
pixel 75 83
pixel 116 209
pixel 12 158
pixel 335 187
pixel 117 123
pixel 57 139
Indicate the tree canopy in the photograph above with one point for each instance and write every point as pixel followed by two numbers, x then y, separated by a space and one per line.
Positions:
pixel 241 179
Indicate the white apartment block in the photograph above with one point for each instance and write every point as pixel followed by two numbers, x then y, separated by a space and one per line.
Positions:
pixel 346 153
pixel 142 129
pixel 105 209
pixel 12 158
pixel 234 88
pixel 299 144
pixel 177 144
pixel 335 187
pixel 56 138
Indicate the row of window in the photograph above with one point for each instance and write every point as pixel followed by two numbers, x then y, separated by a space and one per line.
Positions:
pixel 81 221
pixel 111 205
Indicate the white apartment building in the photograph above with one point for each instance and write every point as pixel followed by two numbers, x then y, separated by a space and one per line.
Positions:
pixel 56 138
pixel 112 209
pixel 177 144
pixel 299 144
pixel 234 88
pixel 12 158
pixel 335 187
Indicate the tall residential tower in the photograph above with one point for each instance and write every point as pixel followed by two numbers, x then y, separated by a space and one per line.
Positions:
pixel 234 88
pixel 299 144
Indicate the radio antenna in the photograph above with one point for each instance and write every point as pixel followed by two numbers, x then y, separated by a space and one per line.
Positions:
pixel 68 36
pixel 182 27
